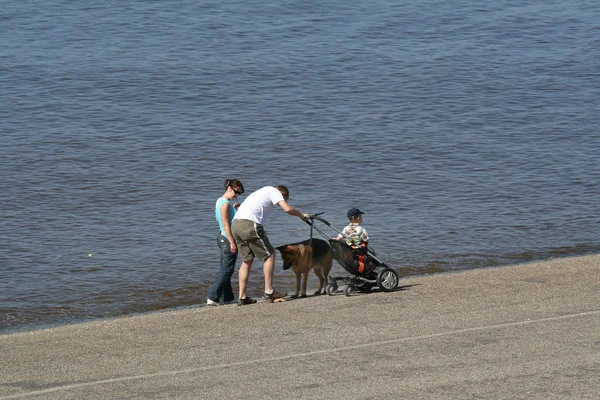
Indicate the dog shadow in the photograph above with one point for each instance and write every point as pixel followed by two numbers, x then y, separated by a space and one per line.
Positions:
pixel 308 296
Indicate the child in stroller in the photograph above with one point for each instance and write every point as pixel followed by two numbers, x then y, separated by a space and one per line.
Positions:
pixel 356 235
pixel 354 232
pixel 359 260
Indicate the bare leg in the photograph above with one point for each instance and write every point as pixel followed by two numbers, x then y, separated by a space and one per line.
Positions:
pixel 268 270
pixel 244 273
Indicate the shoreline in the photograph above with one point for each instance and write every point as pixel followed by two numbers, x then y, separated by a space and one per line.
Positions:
pixel 203 304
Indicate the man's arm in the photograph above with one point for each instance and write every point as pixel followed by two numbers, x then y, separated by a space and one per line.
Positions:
pixel 291 210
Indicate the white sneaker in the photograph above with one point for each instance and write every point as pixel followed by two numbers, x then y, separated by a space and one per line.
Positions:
pixel 209 302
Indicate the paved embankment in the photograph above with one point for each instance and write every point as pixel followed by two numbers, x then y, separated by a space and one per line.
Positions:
pixel 529 331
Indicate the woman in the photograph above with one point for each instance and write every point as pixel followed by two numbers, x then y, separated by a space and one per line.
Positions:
pixel 224 212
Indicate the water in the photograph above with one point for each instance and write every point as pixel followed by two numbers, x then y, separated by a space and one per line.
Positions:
pixel 467 131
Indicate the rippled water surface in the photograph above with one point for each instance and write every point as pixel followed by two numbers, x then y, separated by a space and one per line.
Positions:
pixel 467 131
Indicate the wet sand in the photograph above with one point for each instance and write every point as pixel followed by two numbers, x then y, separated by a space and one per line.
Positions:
pixel 529 331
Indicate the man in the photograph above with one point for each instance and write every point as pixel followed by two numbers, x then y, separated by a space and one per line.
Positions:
pixel 248 231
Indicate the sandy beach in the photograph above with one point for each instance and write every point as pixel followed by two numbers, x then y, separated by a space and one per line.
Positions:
pixel 529 331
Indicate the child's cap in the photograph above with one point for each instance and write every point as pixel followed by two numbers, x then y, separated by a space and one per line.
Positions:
pixel 354 212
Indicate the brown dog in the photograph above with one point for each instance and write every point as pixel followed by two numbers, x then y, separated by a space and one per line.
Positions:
pixel 302 256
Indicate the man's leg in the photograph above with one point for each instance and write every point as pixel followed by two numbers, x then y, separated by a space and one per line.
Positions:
pixel 244 273
pixel 268 270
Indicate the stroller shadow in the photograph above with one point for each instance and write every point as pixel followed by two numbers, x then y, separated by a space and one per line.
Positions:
pixel 404 287
pixel 340 291
pixel 375 289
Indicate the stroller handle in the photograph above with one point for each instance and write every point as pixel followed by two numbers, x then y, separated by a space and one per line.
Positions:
pixel 315 216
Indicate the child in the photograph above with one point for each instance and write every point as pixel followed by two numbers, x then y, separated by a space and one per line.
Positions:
pixel 354 233
pixel 356 236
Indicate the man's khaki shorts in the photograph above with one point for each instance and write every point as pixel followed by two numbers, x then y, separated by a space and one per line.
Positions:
pixel 251 240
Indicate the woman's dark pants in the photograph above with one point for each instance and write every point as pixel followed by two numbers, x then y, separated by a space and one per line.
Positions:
pixel 222 286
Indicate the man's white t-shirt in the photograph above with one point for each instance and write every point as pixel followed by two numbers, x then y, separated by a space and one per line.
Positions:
pixel 256 207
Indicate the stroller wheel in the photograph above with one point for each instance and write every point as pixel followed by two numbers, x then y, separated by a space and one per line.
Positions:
pixel 387 280
pixel 350 290
pixel 331 289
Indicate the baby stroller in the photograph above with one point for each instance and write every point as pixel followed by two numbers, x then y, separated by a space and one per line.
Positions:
pixel 365 268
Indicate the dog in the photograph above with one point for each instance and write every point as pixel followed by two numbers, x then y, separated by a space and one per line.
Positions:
pixel 302 256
